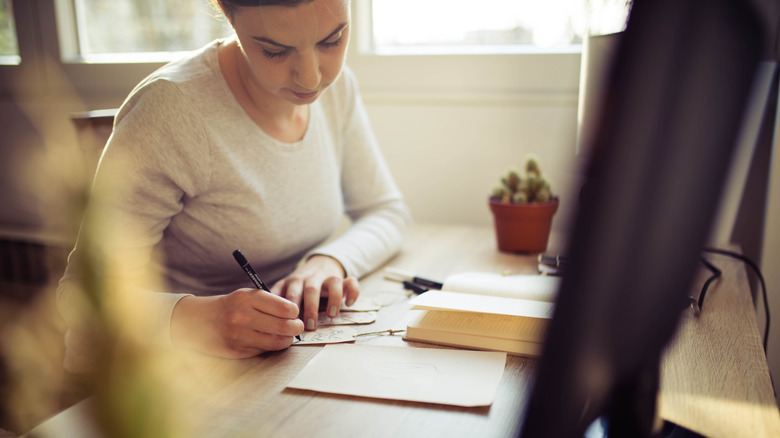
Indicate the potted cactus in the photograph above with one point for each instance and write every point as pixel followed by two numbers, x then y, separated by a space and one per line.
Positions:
pixel 523 205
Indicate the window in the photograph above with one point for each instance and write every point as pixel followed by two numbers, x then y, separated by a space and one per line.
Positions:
pixel 105 47
pixel 465 26
pixel 426 52
pixel 110 27
pixel 9 49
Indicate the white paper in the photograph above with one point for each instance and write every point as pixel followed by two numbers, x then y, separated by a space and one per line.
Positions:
pixel 451 377
pixel 445 300
pixel 528 287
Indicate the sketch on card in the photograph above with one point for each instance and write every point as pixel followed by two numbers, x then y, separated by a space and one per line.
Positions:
pixel 327 335
pixel 347 318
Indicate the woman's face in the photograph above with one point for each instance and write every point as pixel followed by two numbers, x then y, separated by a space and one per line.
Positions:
pixel 294 53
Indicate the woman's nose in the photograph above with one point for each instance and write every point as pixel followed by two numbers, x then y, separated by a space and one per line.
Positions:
pixel 306 72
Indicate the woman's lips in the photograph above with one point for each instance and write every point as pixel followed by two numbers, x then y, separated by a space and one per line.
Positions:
pixel 305 96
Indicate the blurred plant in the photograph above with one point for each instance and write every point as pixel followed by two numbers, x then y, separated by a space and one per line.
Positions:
pixel 133 380
pixel 528 188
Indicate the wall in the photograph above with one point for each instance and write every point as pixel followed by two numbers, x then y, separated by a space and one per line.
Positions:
pixel 446 157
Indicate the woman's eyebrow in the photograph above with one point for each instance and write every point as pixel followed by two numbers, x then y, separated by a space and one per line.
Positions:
pixel 267 40
pixel 338 29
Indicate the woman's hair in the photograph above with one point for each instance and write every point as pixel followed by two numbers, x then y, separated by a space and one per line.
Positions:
pixel 230 5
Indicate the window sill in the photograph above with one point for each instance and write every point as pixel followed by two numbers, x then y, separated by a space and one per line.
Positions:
pixel 471 50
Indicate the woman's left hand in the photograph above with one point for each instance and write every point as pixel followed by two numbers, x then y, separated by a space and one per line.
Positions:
pixel 319 276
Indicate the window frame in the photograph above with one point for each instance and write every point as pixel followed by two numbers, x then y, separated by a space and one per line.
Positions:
pixel 46 30
pixel 10 59
pixel 523 77
pixel 89 78
pixel 23 77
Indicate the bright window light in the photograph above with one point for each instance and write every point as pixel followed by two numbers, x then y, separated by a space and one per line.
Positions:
pixel 141 26
pixel 466 24
pixel 9 49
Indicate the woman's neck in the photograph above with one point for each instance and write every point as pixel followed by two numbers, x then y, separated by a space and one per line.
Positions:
pixel 278 117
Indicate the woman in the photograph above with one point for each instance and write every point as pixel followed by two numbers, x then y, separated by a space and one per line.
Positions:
pixel 258 142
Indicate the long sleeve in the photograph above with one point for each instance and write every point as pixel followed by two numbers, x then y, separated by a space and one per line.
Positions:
pixel 371 198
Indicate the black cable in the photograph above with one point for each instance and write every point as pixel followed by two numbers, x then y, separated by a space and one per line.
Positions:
pixel 716 273
pixel 757 271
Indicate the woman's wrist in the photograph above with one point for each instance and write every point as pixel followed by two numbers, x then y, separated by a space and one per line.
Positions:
pixel 182 318
pixel 328 264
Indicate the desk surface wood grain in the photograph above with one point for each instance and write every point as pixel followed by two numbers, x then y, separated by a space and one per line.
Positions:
pixel 715 378
pixel 714 381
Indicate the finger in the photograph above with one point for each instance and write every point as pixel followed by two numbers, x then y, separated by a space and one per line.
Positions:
pixel 292 289
pixel 351 289
pixel 278 287
pixel 273 305
pixel 247 325
pixel 262 323
pixel 311 304
pixel 333 287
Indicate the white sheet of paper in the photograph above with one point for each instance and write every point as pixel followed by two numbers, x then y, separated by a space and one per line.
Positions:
pixel 527 287
pixel 444 300
pixel 432 375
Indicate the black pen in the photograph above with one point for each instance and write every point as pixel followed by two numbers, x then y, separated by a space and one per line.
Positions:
pixel 250 271
pixel 414 287
pixel 399 275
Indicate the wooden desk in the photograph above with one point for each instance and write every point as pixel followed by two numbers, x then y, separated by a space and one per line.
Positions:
pixel 715 377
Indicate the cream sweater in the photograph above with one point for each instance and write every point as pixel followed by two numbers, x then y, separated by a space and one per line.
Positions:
pixel 190 177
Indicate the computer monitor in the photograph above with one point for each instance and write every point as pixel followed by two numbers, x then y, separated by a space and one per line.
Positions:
pixel 675 98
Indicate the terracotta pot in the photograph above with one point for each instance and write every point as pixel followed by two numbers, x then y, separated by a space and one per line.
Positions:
pixel 522 227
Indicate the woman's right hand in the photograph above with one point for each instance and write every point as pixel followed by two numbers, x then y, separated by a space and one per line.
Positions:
pixel 241 324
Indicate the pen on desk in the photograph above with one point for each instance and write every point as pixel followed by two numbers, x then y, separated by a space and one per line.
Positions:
pixel 414 287
pixel 250 271
pixel 399 275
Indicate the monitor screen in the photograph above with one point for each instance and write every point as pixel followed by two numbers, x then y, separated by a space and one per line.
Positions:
pixel 672 107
